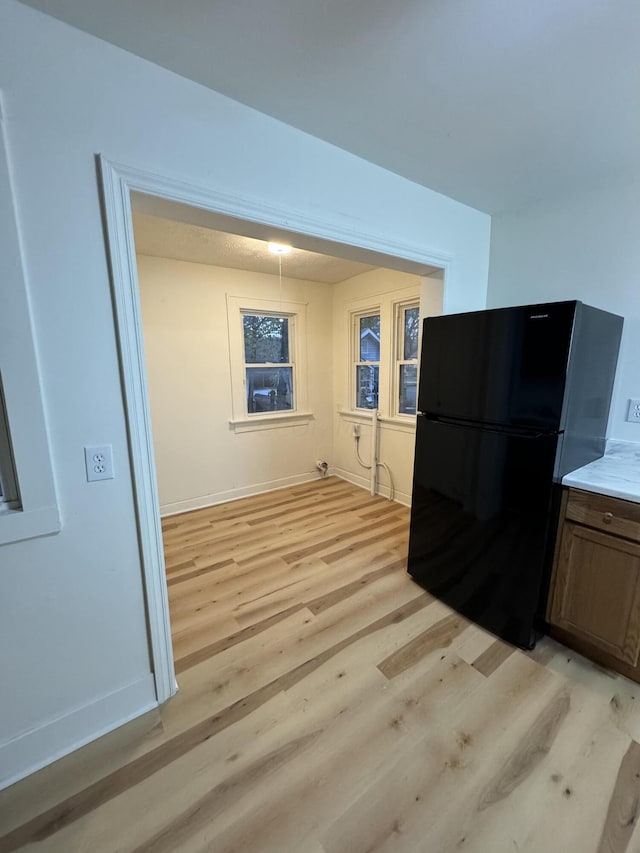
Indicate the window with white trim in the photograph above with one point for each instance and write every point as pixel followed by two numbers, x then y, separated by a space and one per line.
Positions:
pixel 268 362
pixel 267 354
pixel 29 504
pixel 407 335
pixel 384 343
pixel 366 355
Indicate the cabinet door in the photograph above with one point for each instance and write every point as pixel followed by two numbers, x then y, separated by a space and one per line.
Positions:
pixel 597 591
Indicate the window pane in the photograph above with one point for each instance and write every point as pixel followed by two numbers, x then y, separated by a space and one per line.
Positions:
pixel 8 484
pixel 269 389
pixel 370 338
pixel 408 385
pixel 367 386
pixel 411 330
pixel 266 339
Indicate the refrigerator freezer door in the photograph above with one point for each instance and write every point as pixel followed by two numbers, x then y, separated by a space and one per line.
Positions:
pixel 481 524
pixel 504 366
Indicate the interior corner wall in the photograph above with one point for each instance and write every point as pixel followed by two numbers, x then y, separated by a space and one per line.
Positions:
pixel 582 246
pixel 74 658
pixel 200 459
pixel 396 439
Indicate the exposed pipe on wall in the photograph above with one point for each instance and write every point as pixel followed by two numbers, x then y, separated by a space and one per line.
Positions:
pixel 374 453
pixel 373 467
pixel 323 467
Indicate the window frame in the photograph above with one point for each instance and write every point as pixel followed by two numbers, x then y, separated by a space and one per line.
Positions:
pixel 296 313
pixel 9 496
pixel 265 365
pixel 26 441
pixel 384 302
pixel 356 361
pixel 399 310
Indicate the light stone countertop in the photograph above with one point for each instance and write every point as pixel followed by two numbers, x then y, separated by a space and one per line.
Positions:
pixel 616 474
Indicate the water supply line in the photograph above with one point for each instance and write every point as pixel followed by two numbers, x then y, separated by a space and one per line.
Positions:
pixel 373 467
pixel 323 467
pixel 374 453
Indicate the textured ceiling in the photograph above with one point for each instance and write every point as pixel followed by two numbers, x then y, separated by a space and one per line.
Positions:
pixel 166 238
pixel 496 103
pixel 168 229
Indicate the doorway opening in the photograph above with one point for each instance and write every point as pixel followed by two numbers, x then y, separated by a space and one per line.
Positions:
pixel 188 274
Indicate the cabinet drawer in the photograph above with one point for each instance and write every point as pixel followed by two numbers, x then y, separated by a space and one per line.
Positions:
pixel 611 515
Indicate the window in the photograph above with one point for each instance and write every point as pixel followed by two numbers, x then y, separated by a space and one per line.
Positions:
pixel 8 485
pixel 25 464
pixel 384 348
pixel 406 367
pixel 268 364
pixel 267 358
pixel 367 359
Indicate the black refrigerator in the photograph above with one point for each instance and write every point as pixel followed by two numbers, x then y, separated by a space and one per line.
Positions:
pixel 510 400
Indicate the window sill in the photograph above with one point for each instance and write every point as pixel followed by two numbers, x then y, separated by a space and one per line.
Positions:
pixel 260 422
pixel 399 423
pixel 18 524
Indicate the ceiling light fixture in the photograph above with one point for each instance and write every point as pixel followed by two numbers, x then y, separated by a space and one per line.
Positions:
pixel 279 249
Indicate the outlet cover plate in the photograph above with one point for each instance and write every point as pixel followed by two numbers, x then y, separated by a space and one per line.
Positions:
pixel 98 460
pixel 633 412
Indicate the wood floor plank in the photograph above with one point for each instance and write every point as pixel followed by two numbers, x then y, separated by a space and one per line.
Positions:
pixel 327 703
pixel 211 649
pixel 51 821
pixel 547 777
pixel 528 753
pixel 456 753
pixel 311 587
pixel 362 533
pixel 46 824
pixel 244 668
pixel 195 636
pixel 193 572
pixel 436 637
pixel 624 806
pixel 343 754
pixel 374 573
pixel 576 801
pixel 491 658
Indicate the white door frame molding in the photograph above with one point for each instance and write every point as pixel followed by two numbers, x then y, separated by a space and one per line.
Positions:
pixel 118 182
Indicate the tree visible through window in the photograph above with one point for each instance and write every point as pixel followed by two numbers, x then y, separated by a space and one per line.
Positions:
pixel 268 363
pixel 407 357
pixel 367 345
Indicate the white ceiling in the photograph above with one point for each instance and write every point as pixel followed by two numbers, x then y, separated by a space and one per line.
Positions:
pixel 167 238
pixel 168 229
pixel 496 103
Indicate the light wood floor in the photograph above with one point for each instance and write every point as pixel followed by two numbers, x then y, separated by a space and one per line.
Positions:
pixel 328 705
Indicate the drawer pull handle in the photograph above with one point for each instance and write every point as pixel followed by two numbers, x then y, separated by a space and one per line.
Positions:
pixel 607 517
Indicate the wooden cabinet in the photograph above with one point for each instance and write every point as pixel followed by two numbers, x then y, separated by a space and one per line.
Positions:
pixel 594 603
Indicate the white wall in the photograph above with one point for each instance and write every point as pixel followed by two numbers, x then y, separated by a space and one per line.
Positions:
pixel 586 247
pixel 200 459
pixel 73 644
pixel 381 288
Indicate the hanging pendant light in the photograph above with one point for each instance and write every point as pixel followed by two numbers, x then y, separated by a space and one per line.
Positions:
pixel 278 248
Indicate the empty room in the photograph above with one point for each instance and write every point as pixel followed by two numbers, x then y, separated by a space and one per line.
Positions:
pixel 333 546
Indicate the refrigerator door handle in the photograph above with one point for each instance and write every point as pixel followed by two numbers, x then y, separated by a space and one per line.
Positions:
pixel 473 425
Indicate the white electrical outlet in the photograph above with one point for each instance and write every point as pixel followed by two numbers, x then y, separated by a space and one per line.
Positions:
pixel 98 461
pixel 633 413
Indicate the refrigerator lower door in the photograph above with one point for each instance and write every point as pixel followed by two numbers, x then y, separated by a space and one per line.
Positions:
pixel 482 524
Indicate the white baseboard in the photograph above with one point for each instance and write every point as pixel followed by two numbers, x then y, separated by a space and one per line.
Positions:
pixel 33 750
pixel 235 494
pixel 364 483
